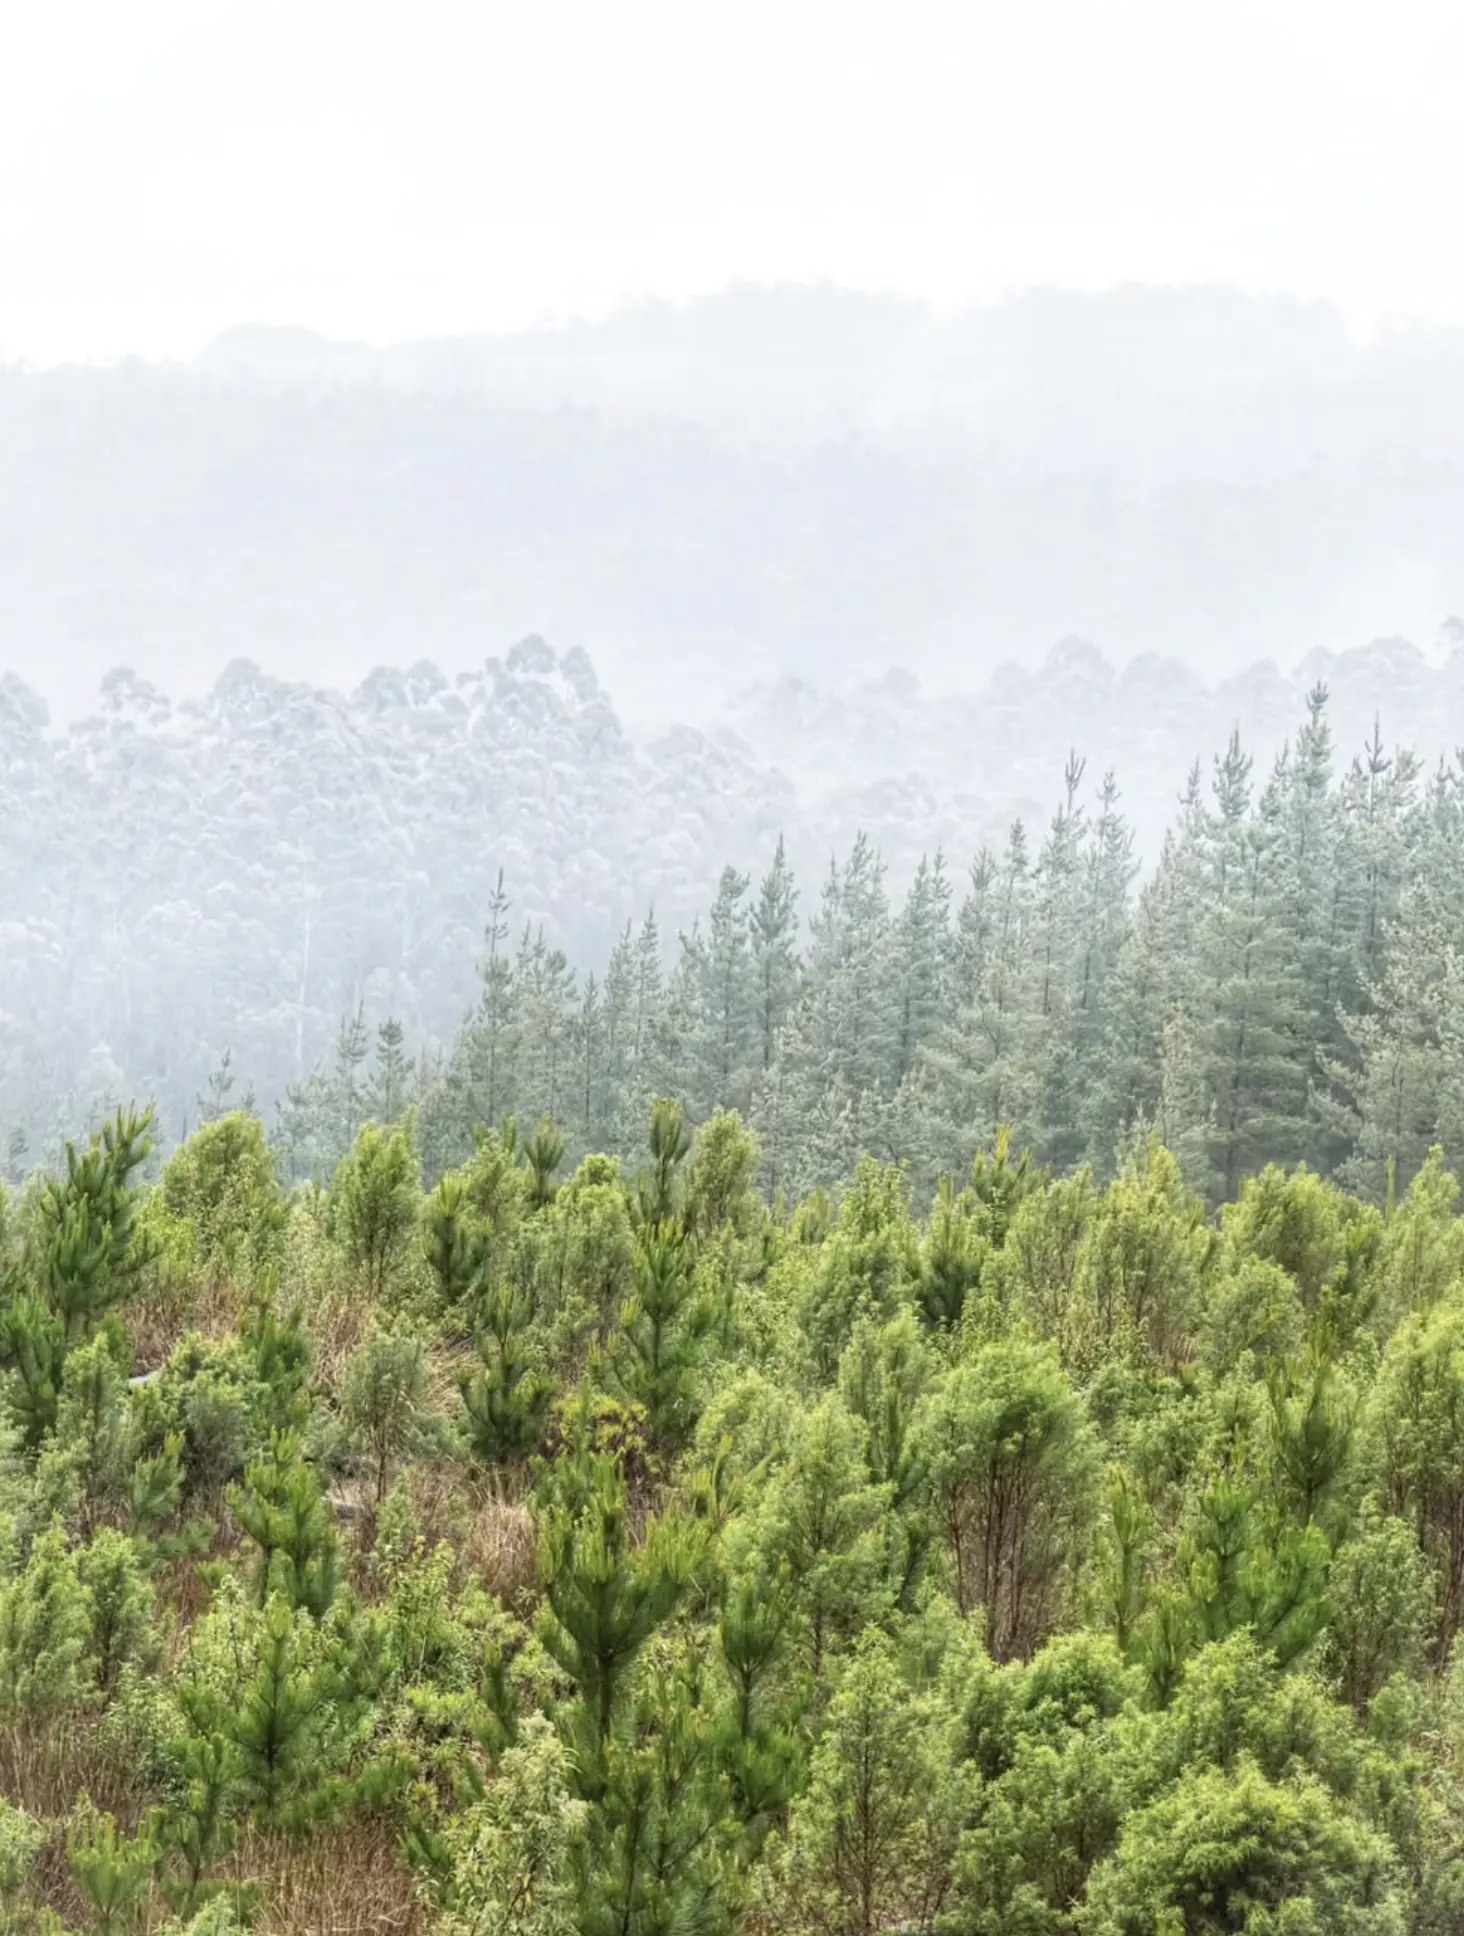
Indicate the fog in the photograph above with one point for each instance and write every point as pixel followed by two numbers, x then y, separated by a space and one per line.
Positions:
pixel 774 481
pixel 960 440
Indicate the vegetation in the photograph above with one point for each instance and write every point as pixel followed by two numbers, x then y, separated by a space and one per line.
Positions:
pixel 194 893
pixel 620 1549
pixel 955 1428
pixel 1283 987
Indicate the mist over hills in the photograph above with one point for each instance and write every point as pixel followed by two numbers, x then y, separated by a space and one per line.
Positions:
pixel 769 483
pixel 235 872
pixel 803 555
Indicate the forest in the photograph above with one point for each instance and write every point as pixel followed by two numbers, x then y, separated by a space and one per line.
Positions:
pixel 185 879
pixel 1284 986
pixel 946 1417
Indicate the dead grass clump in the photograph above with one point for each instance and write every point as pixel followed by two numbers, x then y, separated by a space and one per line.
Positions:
pixel 172 1306
pixel 347 1881
pixel 490 1532
pixel 45 1766
pixel 501 1550
pixel 338 1324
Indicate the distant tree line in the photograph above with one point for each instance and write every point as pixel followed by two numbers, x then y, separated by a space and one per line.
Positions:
pixel 1287 984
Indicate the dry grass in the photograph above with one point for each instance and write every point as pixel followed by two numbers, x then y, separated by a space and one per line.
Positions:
pixel 491 1532
pixel 170 1308
pixel 44 1768
pixel 501 1551
pixel 338 1323
pixel 347 1881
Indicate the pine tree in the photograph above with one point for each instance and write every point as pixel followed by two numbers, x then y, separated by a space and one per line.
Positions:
pixel 281 1508
pixel 456 1242
pixel 606 1594
pixel 1316 891
pixel 618 1033
pixel 1109 868
pixel 112 1872
pixel 197 1827
pixel 506 1400
pixel 919 965
pixel 718 971
pixel 220 1087
pixel 592 1104
pixel 495 1023
pixel 349 1096
pixel 1251 1027
pixel 277 1727
pixel 542 1155
pixel 386 1093
pixel 981 1061
pixel 773 924
pixel 1153 999
pixel 663 1326
pixel 94 1253
pixel 1055 945
pixel 548 1003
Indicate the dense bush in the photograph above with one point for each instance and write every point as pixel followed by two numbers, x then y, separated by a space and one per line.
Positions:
pixel 629 1551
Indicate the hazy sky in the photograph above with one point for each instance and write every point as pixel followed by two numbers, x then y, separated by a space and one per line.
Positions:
pixel 169 167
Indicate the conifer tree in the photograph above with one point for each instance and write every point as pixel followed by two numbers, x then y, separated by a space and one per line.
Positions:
pixel 663 1324
pixel 278 1726
pixel 542 1154
pixel 494 1034
pixel 349 1097
pixel 94 1252
pixel 197 1827
pixel 112 1872
pixel 384 1400
pixel 505 1400
pixel 760 1748
pixel 719 970
pixel 1052 944
pixel 606 1594
pixel 592 1088
pixel 457 1244
pixel 1251 1029
pixel 386 1094
pixel 547 1002
pixel 982 1059
pixel 374 1203
pixel 280 1507
pixel 918 966
pixel 773 925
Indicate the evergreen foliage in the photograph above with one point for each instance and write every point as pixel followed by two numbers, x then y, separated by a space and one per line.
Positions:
pixel 959 1429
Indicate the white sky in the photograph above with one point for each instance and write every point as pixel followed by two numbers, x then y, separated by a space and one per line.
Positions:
pixel 170 167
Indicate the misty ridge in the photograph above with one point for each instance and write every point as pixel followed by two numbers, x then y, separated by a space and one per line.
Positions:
pixel 768 482
pixel 813 566
pixel 819 547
